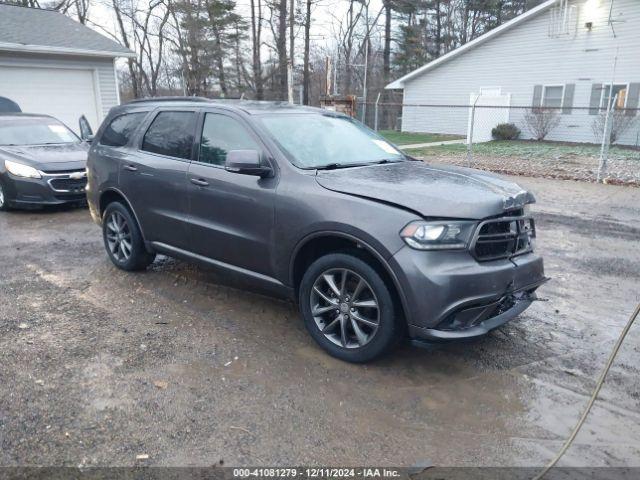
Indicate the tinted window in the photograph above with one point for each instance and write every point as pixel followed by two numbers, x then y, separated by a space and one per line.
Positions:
pixel 171 133
pixel 119 131
pixel 220 134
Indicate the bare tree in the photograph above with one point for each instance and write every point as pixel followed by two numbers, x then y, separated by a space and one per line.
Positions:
pixel 306 74
pixel 256 44
pixel 541 121
pixel 619 123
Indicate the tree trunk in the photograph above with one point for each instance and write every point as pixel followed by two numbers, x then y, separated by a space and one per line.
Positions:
pixel 386 67
pixel 256 34
pixel 306 74
pixel 281 48
pixel 438 30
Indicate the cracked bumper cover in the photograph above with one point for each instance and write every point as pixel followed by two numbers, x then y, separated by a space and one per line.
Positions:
pixel 449 295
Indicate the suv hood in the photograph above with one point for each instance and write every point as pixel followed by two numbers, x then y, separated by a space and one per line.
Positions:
pixel 65 156
pixel 442 192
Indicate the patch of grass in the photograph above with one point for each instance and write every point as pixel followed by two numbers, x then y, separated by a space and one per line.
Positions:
pixel 529 149
pixel 406 138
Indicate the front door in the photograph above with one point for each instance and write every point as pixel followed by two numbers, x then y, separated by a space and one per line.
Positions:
pixel 154 177
pixel 231 214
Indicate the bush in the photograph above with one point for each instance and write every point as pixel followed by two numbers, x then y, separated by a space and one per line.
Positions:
pixel 541 121
pixel 619 123
pixel 505 131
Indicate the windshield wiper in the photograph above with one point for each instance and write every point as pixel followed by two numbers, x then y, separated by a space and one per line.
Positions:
pixel 335 166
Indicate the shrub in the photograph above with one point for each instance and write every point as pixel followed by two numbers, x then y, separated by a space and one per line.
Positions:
pixel 540 121
pixel 505 131
pixel 619 123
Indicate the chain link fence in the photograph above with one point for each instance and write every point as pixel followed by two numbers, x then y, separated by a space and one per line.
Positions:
pixel 576 143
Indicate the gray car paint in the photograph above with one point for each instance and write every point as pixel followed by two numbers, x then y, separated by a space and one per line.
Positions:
pixel 431 191
pixel 253 227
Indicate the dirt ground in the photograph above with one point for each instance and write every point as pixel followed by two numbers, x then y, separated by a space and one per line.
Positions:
pixel 552 160
pixel 99 366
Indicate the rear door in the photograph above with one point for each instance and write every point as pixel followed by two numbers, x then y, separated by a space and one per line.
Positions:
pixel 154 176
pixel 231 214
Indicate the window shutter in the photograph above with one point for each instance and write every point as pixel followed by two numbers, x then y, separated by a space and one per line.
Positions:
pixel 596 94
pixel 633 98
pixel 567 101
pixel 537 96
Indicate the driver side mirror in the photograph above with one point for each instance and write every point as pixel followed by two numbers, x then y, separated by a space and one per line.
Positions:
pixel 86 133
pixel 246 162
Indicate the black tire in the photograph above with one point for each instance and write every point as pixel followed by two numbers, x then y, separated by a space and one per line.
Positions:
pixel 138 258
pixel 388 329
pixel 4 200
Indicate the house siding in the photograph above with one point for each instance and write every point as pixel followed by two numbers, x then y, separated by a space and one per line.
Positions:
pixel 106 88
pixel 519 59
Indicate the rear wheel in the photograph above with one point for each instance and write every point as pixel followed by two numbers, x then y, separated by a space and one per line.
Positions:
pixel 123 240
pixel 4 201
pixel 347 308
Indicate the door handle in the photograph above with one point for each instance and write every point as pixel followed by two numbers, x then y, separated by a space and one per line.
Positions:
pixel 200 182
pixel 131 168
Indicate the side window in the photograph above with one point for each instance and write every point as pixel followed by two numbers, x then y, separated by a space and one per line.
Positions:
pixel 171 134
pixel 120 129
pixel 220 134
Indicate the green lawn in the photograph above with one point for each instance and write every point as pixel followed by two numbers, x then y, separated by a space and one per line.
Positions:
pixel 405 138
pixel 528 149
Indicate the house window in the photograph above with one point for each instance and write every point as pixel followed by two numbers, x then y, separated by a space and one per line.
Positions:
pixel 607 97
pixel 552 96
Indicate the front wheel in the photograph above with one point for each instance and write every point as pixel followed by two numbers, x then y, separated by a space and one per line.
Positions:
pixel 4 201
pixel 123 240
pixel 347 308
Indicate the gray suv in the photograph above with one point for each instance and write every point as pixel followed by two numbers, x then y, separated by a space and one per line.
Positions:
pixel 308 204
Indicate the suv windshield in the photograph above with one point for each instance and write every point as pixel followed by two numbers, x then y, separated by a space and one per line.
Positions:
pixel 328 141
pixel 34 131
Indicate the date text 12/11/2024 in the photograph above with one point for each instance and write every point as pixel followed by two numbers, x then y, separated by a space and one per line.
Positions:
pixel 317 472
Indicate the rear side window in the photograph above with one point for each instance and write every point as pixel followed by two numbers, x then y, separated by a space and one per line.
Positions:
pixel 119 131
pixel 171 134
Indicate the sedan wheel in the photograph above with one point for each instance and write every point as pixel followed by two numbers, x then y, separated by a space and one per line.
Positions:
pixel 2 198
pixel 345 308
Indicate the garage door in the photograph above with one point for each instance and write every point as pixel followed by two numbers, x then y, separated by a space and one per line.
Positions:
pixel 64 93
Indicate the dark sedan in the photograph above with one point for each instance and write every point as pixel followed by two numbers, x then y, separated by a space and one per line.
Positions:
pixel 42 162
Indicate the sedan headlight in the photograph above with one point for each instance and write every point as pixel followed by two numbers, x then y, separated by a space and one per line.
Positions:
pixel 20 170
pixel 445 235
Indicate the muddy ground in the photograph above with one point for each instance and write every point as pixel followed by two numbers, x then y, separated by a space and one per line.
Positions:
pixel 99 366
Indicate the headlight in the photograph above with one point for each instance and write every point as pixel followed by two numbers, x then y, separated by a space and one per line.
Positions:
pixel 20 170
pixel 445 235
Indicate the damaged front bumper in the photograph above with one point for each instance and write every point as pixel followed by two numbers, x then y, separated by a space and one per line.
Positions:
pixel 479 320
pixel 449 295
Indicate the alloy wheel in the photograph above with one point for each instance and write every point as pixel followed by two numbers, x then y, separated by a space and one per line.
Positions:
pixel 1 197
pixel 345 308
pixel 119 237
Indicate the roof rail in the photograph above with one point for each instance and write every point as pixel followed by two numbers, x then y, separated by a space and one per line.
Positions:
pixel 169 99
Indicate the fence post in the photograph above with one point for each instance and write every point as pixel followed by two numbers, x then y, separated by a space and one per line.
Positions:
pixel 470 133
pixel 375 116
pixel 606 140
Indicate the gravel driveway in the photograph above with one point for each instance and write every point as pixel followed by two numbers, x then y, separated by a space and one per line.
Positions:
pixel 100 366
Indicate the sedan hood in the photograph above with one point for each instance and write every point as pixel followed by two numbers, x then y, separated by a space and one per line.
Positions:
pixel 437 192
pixel 48 158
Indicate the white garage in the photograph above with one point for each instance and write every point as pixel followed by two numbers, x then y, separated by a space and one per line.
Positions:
pixel 53 65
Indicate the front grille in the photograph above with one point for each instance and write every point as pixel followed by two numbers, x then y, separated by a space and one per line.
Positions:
pixel 68 184
pixel 503 238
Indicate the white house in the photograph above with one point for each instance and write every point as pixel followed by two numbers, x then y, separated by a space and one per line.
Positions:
pixel 562 53
pixel 54 65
